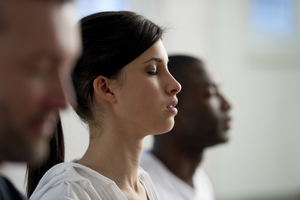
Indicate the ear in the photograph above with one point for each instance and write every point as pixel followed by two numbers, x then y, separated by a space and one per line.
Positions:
pixel 103 89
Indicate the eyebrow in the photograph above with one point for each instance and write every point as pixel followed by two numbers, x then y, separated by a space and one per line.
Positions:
pixel 155 59
pixel 212 85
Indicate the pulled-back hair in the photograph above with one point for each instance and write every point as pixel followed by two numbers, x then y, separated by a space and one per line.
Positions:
pixel 111 40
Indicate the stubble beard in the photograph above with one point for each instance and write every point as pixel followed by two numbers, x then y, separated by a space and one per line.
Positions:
pixel 15 144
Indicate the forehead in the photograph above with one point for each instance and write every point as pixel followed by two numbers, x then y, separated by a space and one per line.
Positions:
pixel 26 15
pixel 157 50
pixel 40 26
pixel 200 75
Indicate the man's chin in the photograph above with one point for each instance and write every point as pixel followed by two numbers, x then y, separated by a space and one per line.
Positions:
pixel 41 129
pixel 38 154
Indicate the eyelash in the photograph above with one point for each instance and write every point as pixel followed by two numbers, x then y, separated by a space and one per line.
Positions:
pixel 211 93
pixel 153 73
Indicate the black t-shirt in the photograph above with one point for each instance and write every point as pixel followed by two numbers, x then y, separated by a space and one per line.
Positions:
pixel 8 191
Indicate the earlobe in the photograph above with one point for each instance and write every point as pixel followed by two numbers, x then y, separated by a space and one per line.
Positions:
pixel 102 88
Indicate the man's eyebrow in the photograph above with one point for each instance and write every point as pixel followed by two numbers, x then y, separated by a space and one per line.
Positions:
pixel 211 85
pixel 155 59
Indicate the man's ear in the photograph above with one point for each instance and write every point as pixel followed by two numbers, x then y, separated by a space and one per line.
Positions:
pixel 103 89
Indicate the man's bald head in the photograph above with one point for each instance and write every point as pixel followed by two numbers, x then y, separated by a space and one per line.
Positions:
pixel 202 118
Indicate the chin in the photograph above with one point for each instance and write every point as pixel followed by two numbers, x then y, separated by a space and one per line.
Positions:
pixel 38 154
pixel 161 127
pixel 162 130
pixel 167 129
pixel 221 140
pixel 224 138
pixel 171 124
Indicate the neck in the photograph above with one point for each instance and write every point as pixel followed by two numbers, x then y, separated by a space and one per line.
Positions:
pixel 178 162
pixel 116 156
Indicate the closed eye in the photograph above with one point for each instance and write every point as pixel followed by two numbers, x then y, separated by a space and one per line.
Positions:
pixel 153 73
pixel 152 70
pixel 212 90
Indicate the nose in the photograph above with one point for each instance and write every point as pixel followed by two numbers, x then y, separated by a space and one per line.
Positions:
pixel 225 104
pixel 58 94
pixel 174 86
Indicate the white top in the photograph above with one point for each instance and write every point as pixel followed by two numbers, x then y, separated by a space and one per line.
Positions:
pixel 169 187
pixel 73 181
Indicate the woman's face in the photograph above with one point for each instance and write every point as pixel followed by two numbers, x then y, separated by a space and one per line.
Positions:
pixel 146 93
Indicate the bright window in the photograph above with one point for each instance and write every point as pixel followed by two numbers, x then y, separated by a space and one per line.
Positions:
pixel 87 7
pixel 274 27
pixel 273 16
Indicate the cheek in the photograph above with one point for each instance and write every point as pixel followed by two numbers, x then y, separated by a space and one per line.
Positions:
pixel 203 111
pixel 144 91
pixel 214 107
pixel 153 101
pixel 26 97
pixel 143 99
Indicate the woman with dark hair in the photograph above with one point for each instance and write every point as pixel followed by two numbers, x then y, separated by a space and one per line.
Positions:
pixel 124 92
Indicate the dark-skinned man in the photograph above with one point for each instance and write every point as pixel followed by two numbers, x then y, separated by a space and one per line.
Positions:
pixel 174 163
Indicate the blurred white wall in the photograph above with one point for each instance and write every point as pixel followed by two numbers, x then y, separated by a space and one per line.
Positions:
pixel 262 158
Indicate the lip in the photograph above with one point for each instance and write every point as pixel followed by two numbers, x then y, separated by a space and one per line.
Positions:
pixel 43 127
pixel 171 106
pixel 227 123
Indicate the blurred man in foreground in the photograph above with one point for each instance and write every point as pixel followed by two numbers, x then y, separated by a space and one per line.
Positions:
pixel 202 121
pixel 38 47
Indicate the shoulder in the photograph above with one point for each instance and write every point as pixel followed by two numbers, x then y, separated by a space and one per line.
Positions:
pixel 146 181
pixel 203 183
pixel 143 174
pixel 63 181
pixel 201 174
pixel 154 167
pixel 8 191
pixel 148 160
pixel 64 191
